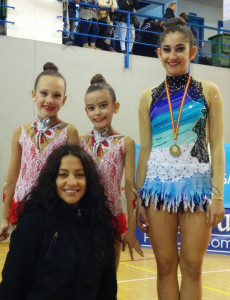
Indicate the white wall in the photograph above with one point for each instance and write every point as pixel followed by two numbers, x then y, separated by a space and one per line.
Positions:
pixel 35 19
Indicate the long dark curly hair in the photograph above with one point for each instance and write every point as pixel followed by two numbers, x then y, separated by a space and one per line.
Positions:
pixel 94 202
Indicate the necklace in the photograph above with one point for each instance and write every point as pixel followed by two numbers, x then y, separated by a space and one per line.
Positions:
pixel 101 139
pixel 175 149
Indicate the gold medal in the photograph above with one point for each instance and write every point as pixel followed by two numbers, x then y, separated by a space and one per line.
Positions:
pixel 175 150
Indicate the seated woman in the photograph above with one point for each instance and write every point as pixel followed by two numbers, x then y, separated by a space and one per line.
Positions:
pixel 63 246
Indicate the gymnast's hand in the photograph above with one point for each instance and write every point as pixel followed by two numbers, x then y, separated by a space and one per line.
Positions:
pixel 141 217
pixel 132 243
pixel 4 229
pixel 215 212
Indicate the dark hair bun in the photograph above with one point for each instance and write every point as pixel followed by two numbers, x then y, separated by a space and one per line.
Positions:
pixel 50 66
pixel 175 22
pixel 185 17
pixel 98 78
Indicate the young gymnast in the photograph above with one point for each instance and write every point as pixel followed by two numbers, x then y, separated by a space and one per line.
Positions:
pixel 112 152
pixel 63 246
pixel 178 184
pixel 32 143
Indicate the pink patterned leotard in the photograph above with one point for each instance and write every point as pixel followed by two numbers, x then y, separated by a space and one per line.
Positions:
pixel 32 162
pixel 111 168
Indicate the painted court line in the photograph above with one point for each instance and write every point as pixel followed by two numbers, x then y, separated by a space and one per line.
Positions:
pixel 217 271
pixel 153 278
pixel 138 259
pixel 138 279
pixel 215 290
pixel 139 268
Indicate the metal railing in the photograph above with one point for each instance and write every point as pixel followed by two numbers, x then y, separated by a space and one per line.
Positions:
pixel 200 52
pixel 6 6
pixel 217 43
pixel 127 40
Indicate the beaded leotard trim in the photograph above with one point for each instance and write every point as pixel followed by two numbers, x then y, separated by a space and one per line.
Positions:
pixel 43 130
pixel 101 139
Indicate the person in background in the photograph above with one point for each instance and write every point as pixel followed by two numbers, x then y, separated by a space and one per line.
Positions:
pixel 104 30
pixel 89 23
pixel 63 246
pixel 33 142
pixel 149 37
pixel 170 11
pixel 187 20
pixel 128 5
pixel 137 39
pixel 3 14
pixel 179 186
pixel 69 14
pixel 185 17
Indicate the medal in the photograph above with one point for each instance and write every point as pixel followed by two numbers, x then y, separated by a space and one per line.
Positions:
pixel 175 149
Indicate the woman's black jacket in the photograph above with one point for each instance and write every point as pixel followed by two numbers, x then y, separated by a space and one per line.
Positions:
pixel 127 5
pixel 169 14
pixel 55 258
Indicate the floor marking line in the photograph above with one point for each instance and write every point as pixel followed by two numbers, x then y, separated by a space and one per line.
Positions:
pixel 215 290
pixel 140 259
pixel 139 268
pixel 179 275
pixel 215 271
pixel 135 267
pixel 138 279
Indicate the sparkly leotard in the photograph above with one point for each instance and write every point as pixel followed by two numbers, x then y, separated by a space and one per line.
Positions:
pixel 185 180
pixel 110 169
pixel 32 162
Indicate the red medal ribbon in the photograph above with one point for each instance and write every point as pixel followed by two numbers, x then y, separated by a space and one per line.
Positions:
pixel 175 130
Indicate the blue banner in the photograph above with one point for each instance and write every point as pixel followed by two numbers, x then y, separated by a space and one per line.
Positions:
pixel 220 238
pixel 219 242
pixel 227 176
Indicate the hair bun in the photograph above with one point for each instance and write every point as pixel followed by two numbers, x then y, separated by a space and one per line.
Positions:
pixel 50 66
pixel 175 22
pixel 98 78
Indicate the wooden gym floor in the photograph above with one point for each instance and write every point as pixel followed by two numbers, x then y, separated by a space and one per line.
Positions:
pixel 137 279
